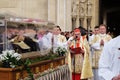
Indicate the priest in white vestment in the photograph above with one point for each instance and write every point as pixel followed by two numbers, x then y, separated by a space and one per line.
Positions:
pixel 58 39
pixel 95 32
pixel 109 63
pixel 52 40
pixel 80 51
pixel 97 44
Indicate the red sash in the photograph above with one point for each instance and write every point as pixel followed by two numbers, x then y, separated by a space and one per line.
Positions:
pixel 76 47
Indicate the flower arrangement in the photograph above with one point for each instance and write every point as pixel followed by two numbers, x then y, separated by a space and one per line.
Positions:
pixel 61 51
pixel 10 59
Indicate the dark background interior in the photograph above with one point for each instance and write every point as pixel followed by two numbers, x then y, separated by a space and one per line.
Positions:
pixel 113 15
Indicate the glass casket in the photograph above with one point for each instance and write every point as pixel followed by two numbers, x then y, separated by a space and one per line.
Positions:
pixel 21 36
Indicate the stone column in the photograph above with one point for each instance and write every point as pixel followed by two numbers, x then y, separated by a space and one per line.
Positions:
pixel 95 14
pixel 58 13
pixel 61 14
pixel 52 11
pixel 68 15
pixel 77 22
pixel 73 22
pixel 81 21
pixel 64 14
pixel 65 8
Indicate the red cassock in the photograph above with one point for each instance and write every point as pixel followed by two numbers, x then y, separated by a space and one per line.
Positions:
pixel 74 51
pixel 76 76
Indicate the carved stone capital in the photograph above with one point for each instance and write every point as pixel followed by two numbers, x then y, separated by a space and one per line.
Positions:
pixel 74 18
pixel 82 1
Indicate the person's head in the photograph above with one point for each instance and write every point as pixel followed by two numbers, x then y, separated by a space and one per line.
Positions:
pixel 102 29
pixel 21 29
pixel 96 30
pixel 57 30
pixel 77 33
pixel 41 29
pixel 41 32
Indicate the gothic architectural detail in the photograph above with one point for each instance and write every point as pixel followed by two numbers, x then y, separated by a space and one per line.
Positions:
pixel 89 8
pixel 83 12
pixel 82 0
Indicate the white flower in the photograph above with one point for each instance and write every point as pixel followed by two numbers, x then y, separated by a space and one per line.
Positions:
pixel 18 56
pixel 3 57
pixel 10 56
pixel 61 50
pixel 12 66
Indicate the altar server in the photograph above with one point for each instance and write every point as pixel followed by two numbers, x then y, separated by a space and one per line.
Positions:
pixel 109 63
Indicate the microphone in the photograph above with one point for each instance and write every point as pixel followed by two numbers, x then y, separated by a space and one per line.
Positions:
pixel 76 37
pixel 73 38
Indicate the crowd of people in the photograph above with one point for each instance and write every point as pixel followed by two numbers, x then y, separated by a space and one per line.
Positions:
pixel 91 57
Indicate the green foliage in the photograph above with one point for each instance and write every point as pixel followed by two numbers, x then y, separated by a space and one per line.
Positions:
pixel 26 66
pixel 42 58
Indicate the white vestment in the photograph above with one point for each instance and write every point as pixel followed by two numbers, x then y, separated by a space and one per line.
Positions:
pixel 59 41
pixel 100 37
pixel 95 44
pixel 45 43
pixel 91 48
pixel 109 63
pixel 97 49
pixel 91 37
